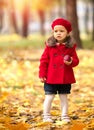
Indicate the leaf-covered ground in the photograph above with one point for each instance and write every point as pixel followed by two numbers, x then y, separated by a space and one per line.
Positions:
pixel 22 95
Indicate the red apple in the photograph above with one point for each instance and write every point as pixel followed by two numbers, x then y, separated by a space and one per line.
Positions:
pixel 67 58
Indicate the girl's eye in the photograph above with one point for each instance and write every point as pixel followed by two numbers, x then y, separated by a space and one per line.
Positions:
pixel 61 31
pixel 55 31
pixel 58 31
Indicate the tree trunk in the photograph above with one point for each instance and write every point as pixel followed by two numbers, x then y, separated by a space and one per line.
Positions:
pixel 25 20
pixel 86 18
pixel 13 17
pixel 14 21
pixel 72 17
pixel 42 21
pixel 1 18
pixel 93 20
pixel 60 8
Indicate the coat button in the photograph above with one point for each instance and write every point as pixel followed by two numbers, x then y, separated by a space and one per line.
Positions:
pixel 54 65
pixel 61 66
pixel 63 55
pixel 55 54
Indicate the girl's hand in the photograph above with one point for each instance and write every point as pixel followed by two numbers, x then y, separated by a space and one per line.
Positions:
pixel 68 62
pixel 43 80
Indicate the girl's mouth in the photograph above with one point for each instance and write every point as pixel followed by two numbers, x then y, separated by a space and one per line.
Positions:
pixel 58 36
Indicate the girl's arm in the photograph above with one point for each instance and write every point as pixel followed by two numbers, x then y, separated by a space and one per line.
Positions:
pixel 75 59
pixel 43 67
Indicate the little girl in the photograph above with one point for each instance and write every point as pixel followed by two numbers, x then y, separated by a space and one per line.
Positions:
pixel 55 72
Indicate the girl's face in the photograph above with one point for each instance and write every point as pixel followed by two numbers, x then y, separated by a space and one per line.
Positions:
pixel 60 33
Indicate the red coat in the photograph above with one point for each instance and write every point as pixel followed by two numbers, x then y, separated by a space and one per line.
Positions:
pixel 52 66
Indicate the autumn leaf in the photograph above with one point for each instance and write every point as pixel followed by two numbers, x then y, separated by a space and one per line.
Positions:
pixel 22 94
pixel 78 126
pixel 18 126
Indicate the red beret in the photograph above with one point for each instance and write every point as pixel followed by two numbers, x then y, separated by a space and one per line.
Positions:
pixel 63 22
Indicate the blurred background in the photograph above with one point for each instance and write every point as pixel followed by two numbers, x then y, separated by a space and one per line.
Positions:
pixel 28 22
pixel 24 27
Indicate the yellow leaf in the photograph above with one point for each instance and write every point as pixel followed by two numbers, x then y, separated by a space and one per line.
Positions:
pixel 19 126
pixel 4 119
pixel 55 113
pixel 43 124
pixel 2 127
pixel 60 123
pixel 77 126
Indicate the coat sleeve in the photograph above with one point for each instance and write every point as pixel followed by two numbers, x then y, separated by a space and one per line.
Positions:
pixel 75 61
pixel 44 61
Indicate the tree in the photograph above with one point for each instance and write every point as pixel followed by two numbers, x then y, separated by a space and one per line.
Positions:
pixel 87 2
pixel 72 17
pixel 42 6
pixel 2 5
pixel 59 2
pixel 25 19
pixel 86 17
pixel 42 21
pixel 13 18
pixel 93 19
pixel 1 18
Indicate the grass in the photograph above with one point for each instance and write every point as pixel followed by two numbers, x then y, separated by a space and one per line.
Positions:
pixel 87 41
pixel 14 41
pixel 35 41
pixel 88 44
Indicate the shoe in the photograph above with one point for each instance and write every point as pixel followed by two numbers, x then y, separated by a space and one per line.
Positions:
pixel 47 118
pixel 66 118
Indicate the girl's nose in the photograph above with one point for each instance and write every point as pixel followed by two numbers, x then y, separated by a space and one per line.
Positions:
pixel 58 32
